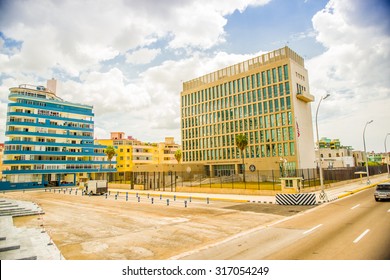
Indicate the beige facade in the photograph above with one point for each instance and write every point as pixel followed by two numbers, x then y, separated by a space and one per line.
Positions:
pixel 267 98
pixel 336 158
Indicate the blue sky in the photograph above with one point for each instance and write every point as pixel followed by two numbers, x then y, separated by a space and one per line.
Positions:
pixel 129 58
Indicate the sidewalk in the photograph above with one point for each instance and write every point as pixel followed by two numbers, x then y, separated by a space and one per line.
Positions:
pixel 332 193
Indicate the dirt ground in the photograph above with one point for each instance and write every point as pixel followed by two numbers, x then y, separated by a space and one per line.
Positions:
pixel 100 228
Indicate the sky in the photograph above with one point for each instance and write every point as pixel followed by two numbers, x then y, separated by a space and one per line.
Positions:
pixel 129 58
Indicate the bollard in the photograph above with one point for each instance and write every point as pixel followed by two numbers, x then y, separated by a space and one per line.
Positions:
pixel 190 198
pixel 116 197
pixel 160 196
pixel 167 201
pixel 174 198
pixel 82 193
pixel 106 195
pixel 76 192
pixel 208 201
pixel 89 194
pixel 185 203
pixel 152 200
pixel 64 191
pixel 127 198
pixel 139 199
pixel 136 195
pixel 117 193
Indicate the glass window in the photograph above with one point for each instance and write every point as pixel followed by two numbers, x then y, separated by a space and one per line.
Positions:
pixel 288 101
pixel 275 91
pixel 285 70
pixel 263 81
pixel 287 86
pixel 280 74
pixel 271 106
pixel 276 105
pixel 281 90
pixel 258 79
pixel 274 79
pixel 268 77
pixel 269 92
pixel 282 103
pixel 292 149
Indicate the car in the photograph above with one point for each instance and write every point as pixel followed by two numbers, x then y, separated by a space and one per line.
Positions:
pixel 382 191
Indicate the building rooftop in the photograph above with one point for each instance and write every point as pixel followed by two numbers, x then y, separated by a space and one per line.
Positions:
pixel 244 66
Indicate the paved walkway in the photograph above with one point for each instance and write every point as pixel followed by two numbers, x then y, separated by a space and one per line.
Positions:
pixel 332 193
pixel 35 243
pixel 21 243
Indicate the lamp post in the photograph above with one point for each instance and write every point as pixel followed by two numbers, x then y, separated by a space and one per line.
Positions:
pixel 365 151
pixel 322 195
pixel 387 161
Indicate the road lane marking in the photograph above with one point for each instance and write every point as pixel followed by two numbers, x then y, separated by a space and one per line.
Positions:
pixel 388 211
pixel 314 228
pixel 361 236
pixel 356 206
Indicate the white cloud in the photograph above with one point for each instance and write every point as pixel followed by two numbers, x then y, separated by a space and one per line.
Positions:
pixel 355 70
pixel 142 56
pixel 75 36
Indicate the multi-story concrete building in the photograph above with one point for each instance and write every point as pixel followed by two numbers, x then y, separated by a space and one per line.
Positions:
pixel 1 160
pixel 167 151
pixel 267 98
pixel 334 155
pixel 132 152
pixel 50 141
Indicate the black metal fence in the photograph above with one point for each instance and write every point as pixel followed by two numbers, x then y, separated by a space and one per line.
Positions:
pixel 257 180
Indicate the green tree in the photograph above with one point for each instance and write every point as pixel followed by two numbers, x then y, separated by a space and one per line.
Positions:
pixel 110 152
pixel 178 155
pixel 242 143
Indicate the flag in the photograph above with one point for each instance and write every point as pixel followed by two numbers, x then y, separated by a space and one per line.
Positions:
pixel 299 134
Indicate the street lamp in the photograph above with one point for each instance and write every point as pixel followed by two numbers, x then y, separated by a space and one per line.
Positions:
pixel 365 152
pixel 387 161
pixel 322 195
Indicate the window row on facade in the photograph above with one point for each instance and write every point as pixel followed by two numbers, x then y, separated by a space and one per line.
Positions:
pixel 249 97
pixel 195 130
pixel 262 136
pixel 254 151
pixel 245 111
pixel 261 79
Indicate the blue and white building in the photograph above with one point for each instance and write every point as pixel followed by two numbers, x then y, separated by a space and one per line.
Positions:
pixel 50 141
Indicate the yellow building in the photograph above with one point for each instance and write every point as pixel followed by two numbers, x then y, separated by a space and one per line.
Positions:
pixel 267 98
pixel 133 153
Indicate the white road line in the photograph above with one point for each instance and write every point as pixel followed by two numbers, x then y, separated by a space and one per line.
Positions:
pixel 310 230
pixel 361 236
pixel 356 206
pixel 388 211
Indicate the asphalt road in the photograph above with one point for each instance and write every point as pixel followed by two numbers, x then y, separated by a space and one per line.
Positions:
pixel 353 228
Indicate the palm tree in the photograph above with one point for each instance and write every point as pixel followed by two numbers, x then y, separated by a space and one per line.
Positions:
pixel 242 143
pixel 110 152
pixel 178 156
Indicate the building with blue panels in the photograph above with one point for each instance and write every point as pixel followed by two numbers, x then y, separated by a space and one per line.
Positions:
pixel 50 141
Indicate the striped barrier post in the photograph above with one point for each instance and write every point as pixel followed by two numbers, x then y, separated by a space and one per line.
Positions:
pixel 167 201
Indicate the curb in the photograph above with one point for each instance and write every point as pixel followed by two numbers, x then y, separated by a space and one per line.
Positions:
pixel 360 189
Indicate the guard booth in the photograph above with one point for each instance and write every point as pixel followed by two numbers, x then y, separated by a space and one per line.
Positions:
pixel 291 184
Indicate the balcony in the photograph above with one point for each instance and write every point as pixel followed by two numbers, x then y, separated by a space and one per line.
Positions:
pixel 304 96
